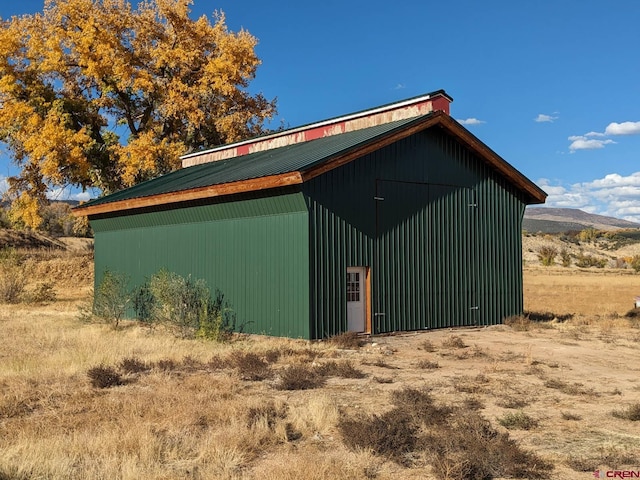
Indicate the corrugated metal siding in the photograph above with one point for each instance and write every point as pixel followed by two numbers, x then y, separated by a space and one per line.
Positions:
pixel 442 240
pixel 260 261
pixel 253 204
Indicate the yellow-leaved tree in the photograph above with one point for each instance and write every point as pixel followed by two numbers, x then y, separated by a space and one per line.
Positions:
pixel 100 93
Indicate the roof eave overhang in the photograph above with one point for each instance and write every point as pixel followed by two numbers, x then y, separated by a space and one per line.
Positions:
pixel 533 193
pixel 231 188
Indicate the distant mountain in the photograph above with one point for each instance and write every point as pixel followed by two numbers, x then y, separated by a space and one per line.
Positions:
pixel 556 220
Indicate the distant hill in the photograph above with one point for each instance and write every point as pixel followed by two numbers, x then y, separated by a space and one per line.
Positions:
pixel 21 239
pixel 556 220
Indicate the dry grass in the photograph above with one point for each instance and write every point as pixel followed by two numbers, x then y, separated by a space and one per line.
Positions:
pixel 590 292
pixel 268 408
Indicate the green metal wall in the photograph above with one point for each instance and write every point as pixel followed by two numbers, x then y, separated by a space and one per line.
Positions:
pixel 438 228
pixel 254 249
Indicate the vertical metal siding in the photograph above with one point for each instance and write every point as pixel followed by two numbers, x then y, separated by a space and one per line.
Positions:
pixel 256 253
pixel 443 246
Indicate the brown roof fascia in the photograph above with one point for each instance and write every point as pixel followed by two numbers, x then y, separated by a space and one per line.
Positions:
pixel 243 186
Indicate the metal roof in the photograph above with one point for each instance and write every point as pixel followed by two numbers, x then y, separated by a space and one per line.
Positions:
pixel 277 161
pixel 294 164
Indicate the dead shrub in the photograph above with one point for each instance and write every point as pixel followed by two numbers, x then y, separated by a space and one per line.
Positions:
pixel 14 406
pixel 632 412
pixel 133 365
pixel 343 369
pixel 570 416
pixel 428 346
pixel 547 316
pixel 346 340
pixel 391 435
pixel 12 283
pixel 383 379
pixel 420 407
pixel 217 363
pixel 269 413
pixel 469 448
pixel 568 388
pixel 469 385
pixel 581 464
pixel 614 456
pixel 519 323
pixel 611 457
pixel 453 341
pixel 191 364
pixel 103 376
pixel 458 443
pixel 43 293
pixel 512 402
pixel 633 313
pixel 272 355
pixel 428 365
pixel 12 473
pixel 300 377
pixel 381 363
pixel 547 255
pixel 250 366
pixel 472 403
pixel 166 365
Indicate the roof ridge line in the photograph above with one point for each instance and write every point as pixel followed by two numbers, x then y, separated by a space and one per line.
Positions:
pixel 407 108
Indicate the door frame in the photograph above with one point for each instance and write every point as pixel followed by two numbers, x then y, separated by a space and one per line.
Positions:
pixel 365 289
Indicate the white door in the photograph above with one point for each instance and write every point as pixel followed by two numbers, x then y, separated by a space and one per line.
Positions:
pixel 356 311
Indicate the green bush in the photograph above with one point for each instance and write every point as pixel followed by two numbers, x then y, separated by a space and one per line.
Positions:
pixel 635 263
pixel 143 303
pixel 518 420
pixel 218 321
pixel 185 305
pixel 565 257
pixel 112 297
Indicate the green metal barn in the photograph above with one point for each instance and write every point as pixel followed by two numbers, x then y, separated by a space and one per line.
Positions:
pixel 392 219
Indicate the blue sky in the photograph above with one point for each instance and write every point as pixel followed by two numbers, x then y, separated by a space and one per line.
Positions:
pixel 551 86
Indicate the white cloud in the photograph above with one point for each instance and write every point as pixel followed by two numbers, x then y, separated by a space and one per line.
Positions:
pixel 614 195
pixel 587 141
pixel 624 128
pixel 582 142
pixel 544 118
pixel 67 194
pixel 399 86
pixel 471 121
pixel 4 185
